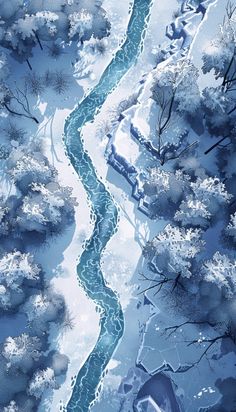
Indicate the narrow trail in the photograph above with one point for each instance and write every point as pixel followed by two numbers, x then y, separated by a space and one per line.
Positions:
pixel 104 213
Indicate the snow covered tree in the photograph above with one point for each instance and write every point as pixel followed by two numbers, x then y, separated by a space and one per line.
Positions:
pixel 176 94
pixel 220 102
pixel 4 68
pixel 34 22
pixel 15 267
pixel 173 251
pixel 219 54
pixel 27 166
pixel 221 271
pixel 206 198
pixel 231 228
pixel 80 23
pixel 41 381
pixel 16 271
pixel 89 19
pixel 12 407
pixel 193 212
pixel 41 205
pixel 22 352
pixel 166 190
pixel 211 192
pixel 219 107
pixel 46 209
pixel 4 226
pixel 44 308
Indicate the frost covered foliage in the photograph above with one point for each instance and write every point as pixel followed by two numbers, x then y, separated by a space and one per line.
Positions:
pixel 165 190
pixel 12 407
pixel 38 207
pixel 173 194
pixel 173 250
pixel 30 371
pixel 27 367
pixel 191 262
pixel 212 192
pixel 231 228
pixel 217 291
pixel 176 94
pixel 178 81
pixel 3 218
pixel 22 351
pixel 80 23
pixel 26 167
pixel 4 69
pixel 43 308
pixel 193 212
pixel 220 56
pixel 42 380
pixel 46 209
pixel 205 200
pixel 42 205
pixel 27 24
pixel 219 51
pixel 17 271
pixel 221 271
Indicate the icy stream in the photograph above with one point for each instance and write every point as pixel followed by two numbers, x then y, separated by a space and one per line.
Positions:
pixel 104 213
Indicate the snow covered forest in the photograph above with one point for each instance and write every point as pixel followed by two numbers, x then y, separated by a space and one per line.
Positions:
pixel 162 147
pixel 35 207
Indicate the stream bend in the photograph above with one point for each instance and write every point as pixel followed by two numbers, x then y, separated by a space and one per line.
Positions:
pixel 104 212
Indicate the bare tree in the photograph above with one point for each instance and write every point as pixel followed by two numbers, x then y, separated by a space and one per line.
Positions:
pixel 60 82
pixel 162 281
pixel 67 321
pixel 209 342
pixel 16 102
pixel 14 132
pixel 34 83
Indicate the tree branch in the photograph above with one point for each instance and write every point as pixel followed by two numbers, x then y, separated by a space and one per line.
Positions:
pixel 20 114
pixel 215 145
pixel 183 151
pixel 161 282
pixel 174 328
pixel 38 39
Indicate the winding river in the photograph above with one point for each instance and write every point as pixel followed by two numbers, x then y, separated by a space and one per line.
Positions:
pixel 104 212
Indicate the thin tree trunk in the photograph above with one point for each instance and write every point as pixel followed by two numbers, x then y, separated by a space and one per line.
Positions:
pixel 215 145
pixel 232 110
pixel 227 71
pixel 38 39
pixel 27 61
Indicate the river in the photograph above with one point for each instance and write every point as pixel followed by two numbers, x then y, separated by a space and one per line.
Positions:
pixel 104 213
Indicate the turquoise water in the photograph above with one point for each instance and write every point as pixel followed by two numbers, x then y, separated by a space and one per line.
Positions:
pixel 104 213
